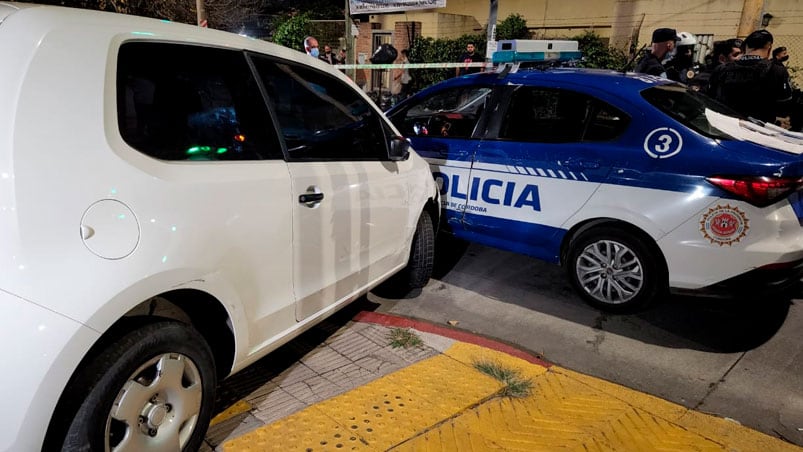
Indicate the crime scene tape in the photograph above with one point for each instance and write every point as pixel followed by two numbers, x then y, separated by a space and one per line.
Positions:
pixel 412 65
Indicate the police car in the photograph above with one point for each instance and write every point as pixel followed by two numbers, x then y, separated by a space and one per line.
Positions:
pixel 633 183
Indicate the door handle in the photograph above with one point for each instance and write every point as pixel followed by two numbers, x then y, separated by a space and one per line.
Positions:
pixel 312 197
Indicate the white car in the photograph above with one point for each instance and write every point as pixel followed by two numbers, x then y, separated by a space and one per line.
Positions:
pixel 175 203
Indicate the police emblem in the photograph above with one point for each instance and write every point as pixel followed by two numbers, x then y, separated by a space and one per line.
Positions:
pixel 724 225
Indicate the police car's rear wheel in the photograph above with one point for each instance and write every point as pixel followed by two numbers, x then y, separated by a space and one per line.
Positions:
pixel 614 270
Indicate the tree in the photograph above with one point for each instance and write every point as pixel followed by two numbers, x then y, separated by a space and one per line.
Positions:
pixel 429 50
pixel 597 53
pixel 513 27
pixel 292 31
pixel 227 15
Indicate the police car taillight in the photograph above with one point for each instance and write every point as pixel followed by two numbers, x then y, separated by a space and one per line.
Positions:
pixel 758 191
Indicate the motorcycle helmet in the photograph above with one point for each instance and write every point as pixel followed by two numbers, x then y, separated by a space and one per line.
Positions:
pixel 686 39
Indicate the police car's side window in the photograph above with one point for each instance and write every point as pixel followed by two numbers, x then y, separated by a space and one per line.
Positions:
pixel 559 116
pixel 321 118
pixel 183 102
pixel 451 113
pixel 606 123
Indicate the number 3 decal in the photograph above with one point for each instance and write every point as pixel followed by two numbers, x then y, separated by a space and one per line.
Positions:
pixel 663 142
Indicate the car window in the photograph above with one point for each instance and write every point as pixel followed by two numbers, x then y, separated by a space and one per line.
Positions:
pixel 321 117
pixel 183 102
pixel 559 116
pixel 688 107
pixel 452 113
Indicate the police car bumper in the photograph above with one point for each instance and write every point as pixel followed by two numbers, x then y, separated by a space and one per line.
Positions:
pixel 759 250
pixel 772 279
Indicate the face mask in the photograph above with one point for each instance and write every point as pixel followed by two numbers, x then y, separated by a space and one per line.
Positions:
pixel 671 53
pixel 784 58
pixel 314 52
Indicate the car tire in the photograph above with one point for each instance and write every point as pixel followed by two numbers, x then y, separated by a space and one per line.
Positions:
pixel 419 267
pixel 615 270
pixel 154 386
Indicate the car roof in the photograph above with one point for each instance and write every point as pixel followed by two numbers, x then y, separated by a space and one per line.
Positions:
pixel 603 79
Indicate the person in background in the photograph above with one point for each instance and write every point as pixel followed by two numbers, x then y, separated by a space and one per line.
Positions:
pixel 681 67
pixel 342 56
pixel 780 55
pixel 311 46
pixel 403 75
pixel 470 56
pixel 663 44
pixel 328 55
pixel 725 51
pixel 753 85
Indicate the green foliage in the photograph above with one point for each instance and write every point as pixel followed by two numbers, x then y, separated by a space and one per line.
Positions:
pixel 403 337
pixel 292 31
pixel 322 9
pixel 513 27
pixel 429 50
pixel 515 385
pixel 597 54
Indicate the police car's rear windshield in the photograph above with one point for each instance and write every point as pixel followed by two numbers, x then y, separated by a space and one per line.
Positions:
pixel 688 107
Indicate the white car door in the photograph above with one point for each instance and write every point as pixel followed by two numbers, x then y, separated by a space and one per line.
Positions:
pixel 350 202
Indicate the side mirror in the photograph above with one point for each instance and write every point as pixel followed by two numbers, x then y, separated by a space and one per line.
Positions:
pixel 399 149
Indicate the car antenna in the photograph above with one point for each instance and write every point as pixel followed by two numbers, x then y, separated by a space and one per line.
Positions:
pixel 627 65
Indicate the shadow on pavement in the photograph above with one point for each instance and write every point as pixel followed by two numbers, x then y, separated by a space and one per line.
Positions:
pixel 705 324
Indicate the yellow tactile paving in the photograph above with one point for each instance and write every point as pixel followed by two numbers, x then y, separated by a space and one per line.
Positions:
pixel 308 430
pixel 381 413
pixel 444 404
pixel 730 433
pixel 238 408
pixel 470 354
pixel 450 385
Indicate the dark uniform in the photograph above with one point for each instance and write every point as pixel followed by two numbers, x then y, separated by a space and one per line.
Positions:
pixel 649 64
pixel 753 86
pixel 468 58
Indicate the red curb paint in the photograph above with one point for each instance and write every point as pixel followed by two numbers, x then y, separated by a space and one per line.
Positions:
pixel 462 336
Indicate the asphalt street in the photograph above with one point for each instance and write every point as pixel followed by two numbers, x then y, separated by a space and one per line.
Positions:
pixel 741 360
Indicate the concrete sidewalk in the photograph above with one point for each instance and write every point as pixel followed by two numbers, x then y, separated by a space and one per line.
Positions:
pixel 356 391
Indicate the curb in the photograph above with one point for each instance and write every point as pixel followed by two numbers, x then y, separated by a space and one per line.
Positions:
pixel 458 335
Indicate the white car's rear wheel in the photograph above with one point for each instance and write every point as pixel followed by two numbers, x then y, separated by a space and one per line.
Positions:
pixel 151 390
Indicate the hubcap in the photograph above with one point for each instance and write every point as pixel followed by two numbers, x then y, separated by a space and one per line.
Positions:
pixel 610 272
pixel 157 408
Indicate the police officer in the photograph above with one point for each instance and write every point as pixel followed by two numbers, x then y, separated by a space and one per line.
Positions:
pixel 753 85
pixel 726 51
pixel 681 67
pixel 663 43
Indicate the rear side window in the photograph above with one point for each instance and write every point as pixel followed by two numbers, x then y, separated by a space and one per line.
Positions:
pixel 560 116
pixel 321 117
pixel 688 107
pixel 183 102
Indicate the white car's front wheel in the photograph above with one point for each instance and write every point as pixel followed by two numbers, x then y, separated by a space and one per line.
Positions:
pixel 420 264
